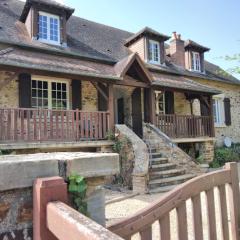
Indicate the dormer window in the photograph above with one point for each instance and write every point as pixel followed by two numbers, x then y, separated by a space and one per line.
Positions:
pixel 196 62
pixel 49 28
pixel 154 52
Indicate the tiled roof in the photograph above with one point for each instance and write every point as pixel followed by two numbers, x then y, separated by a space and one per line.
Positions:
pixel 27 59
pixel 191 43
pixel 146 31
pixel 69 11
pixel 88 39
pixel 183 83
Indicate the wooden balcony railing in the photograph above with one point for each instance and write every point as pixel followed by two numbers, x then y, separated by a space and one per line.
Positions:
pixel 30 125
pixel 207 193
pixel 185 126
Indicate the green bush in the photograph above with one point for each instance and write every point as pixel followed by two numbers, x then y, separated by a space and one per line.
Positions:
pixel 223 155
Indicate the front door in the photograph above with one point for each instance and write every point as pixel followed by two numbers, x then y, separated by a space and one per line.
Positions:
pixel 137 112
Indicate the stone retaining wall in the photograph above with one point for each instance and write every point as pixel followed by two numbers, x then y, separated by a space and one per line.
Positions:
pixel 17 174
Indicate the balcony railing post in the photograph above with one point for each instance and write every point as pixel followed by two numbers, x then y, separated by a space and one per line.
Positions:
pixel 46 190
pixel 77 124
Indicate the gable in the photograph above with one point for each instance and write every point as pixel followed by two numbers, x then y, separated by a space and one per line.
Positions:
pixel 133 67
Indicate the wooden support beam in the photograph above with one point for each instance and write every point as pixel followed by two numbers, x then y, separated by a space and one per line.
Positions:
pixel 212 117
pixel 204 100
pixel 111 106
pixel 95 84
pixel 152 106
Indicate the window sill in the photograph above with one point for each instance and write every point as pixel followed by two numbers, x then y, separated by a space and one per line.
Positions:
pixel 220 125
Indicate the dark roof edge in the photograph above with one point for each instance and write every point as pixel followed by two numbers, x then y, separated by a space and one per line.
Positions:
pixel 101 76
pixel 192 75
pixel 58 52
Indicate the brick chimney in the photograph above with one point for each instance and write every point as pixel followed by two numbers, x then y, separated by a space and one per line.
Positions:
pixel 177 51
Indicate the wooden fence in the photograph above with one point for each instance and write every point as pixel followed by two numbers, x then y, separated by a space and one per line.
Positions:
pixel 225 182
pixel 182 126
pixel 46 125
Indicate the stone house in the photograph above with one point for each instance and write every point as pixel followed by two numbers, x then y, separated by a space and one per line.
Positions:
pixel 66 81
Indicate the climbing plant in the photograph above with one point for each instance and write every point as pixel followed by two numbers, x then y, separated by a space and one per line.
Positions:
pixel 77 188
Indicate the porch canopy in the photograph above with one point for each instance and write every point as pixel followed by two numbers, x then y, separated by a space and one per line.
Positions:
pixel 103 73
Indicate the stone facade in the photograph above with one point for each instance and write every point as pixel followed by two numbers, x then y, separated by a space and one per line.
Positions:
pixel 89 97
pixel 207 151
pixel 181 104
pixel 233 92
pixel 9 92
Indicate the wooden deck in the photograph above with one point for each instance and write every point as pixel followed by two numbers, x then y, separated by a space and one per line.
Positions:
pixel 37 125
pixel 185 126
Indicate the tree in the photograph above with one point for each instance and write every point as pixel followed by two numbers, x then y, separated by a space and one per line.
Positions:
pixel 236 59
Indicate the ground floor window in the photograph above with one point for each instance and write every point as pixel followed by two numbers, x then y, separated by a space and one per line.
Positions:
pixel 50 94
pixel 218 111
pixel 160 102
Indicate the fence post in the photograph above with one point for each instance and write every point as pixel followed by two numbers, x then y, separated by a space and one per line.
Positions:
pixel 46 190
pixel 234 200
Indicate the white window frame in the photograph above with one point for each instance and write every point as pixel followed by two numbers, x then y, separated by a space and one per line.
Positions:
pixel 50 81
pixel 158 95
pixel 48 40
pixel 219 112
pixel 152 43
pixel 196 62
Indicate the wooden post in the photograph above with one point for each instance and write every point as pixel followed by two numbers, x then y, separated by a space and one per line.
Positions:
pixel 152 106
pixel 211 116
pixel 234 200
pixel 46 190
pixel 111 106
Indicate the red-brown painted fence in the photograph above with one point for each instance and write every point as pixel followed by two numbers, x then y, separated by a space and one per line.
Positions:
pixel 185 126
pixel 53 219
pixel 222 184
pixel 25 124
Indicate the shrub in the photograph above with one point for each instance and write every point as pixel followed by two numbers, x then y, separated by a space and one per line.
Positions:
pixel 223 155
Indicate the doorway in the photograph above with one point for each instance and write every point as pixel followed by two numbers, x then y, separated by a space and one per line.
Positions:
pixel 137 112
pixel 120 111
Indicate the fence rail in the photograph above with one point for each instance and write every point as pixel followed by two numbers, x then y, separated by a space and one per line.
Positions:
pixel 25 124
pixel 182 126
pixel 227 185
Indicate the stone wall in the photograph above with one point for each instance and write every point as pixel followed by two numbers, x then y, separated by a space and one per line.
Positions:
pixel 134 159
pixel 9 93
pixel 181 104
pixel 89 97
pixel 17 174
pixel 231 91
pixel 207 151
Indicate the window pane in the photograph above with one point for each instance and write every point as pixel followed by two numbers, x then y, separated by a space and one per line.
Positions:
pixel 39 96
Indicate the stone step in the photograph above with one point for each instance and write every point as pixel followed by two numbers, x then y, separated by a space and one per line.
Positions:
pixel 156 161
pixel 170 181
pixel 167 173
pixel 152 150
pixel 162 189
pixel 155 155
pixel 162 167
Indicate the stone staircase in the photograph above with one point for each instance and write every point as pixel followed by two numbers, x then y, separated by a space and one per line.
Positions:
pixel 164 175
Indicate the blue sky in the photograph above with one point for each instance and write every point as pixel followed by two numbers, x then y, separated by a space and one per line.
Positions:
pixel 212 23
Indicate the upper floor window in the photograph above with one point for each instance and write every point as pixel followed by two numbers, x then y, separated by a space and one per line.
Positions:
pixel 154 52
pixel 196 62
pixel 49 28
